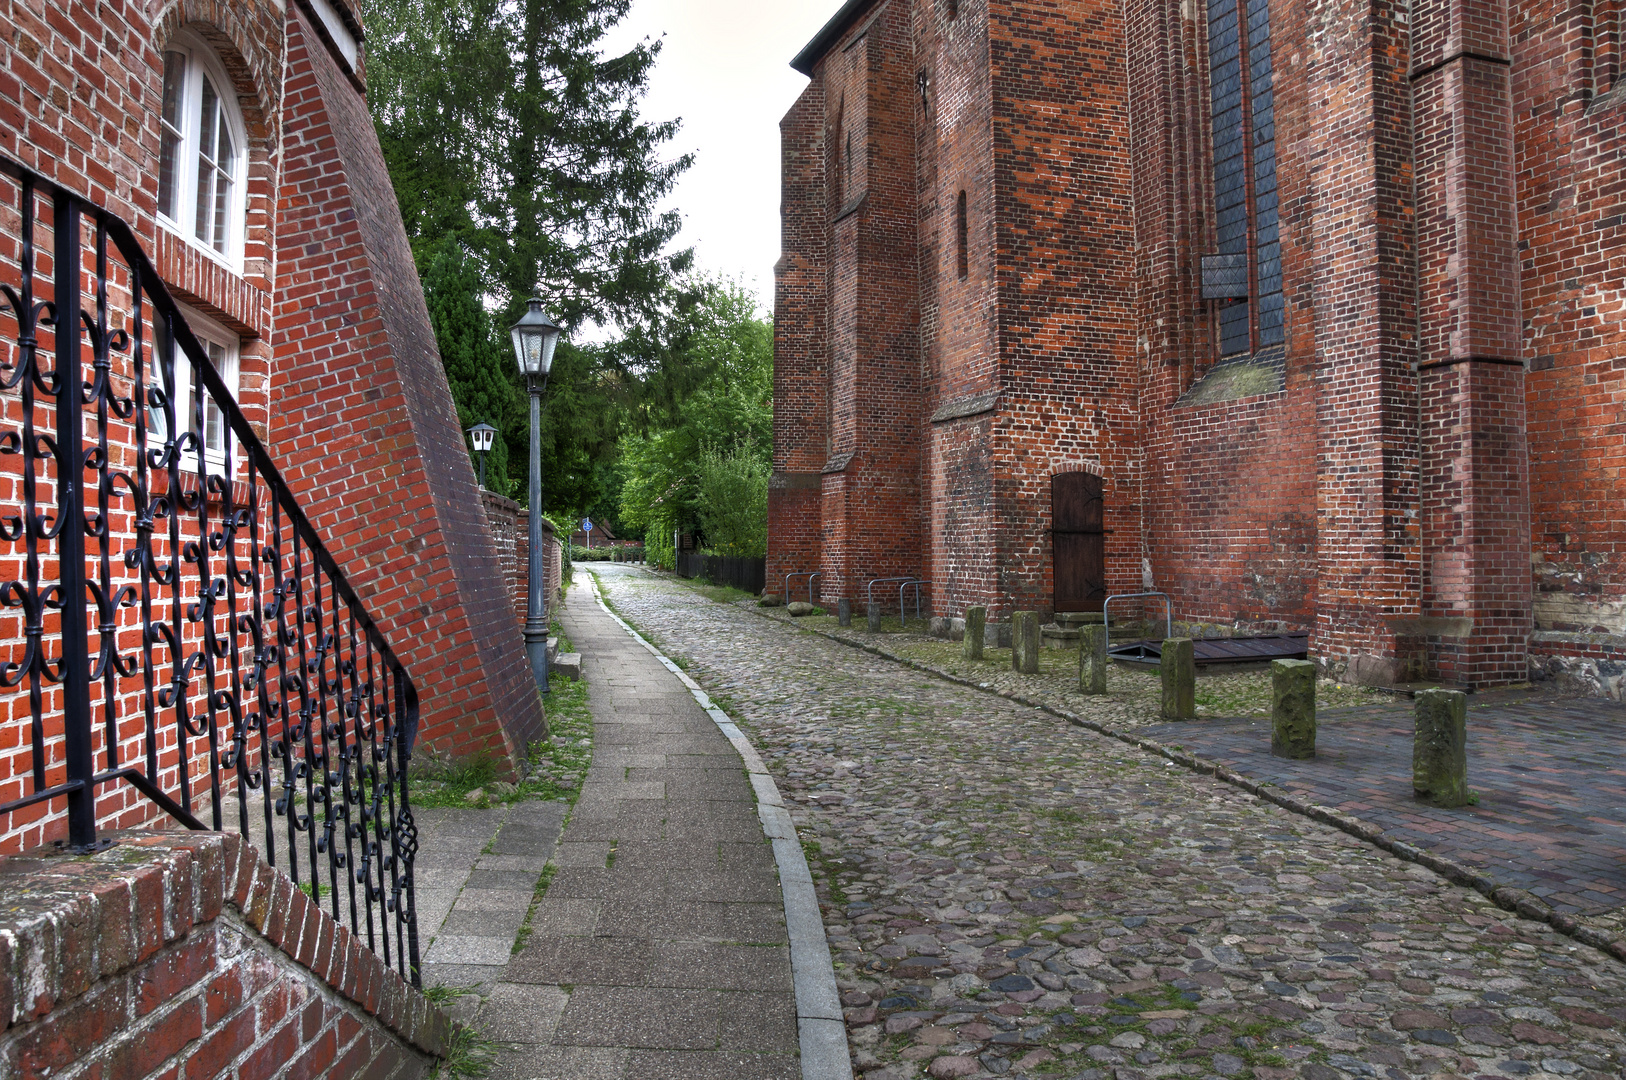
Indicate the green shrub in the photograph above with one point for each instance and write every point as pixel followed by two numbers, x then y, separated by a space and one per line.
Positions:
pixel 734 501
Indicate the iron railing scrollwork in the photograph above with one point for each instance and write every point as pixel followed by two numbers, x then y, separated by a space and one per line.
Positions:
pixel 170 613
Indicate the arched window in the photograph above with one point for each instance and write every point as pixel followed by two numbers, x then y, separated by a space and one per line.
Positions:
pixel 202 151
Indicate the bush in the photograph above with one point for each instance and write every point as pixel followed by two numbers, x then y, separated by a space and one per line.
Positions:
pixel 734 501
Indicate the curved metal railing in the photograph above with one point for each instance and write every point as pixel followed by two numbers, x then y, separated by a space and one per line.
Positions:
pixel 172 617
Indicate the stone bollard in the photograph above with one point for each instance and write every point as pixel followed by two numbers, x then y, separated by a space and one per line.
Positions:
pixel 874 617
pixel 1292 718
pixel 1179 680
pixel 976 619
pixel 1025 642
pixel 1092 659
pixel 1439 763
pixel 844 612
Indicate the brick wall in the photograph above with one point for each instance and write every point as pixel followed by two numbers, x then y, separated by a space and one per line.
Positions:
pixel 510 525
pixel 1065 236
pixel 176 955
pixel 801 440
pixel 366 425
pixel 337 371
pixel 1567 111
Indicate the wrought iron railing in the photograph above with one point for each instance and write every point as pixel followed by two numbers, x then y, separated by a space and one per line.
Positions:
pixel 173 619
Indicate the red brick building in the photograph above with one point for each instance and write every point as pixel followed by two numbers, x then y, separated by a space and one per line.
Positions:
pixel 235 139
pixel 1324 299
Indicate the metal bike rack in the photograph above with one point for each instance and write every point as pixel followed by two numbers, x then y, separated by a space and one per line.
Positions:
pixel 1168 610
pixel 811 575
pixel 917 583
pixel 902 583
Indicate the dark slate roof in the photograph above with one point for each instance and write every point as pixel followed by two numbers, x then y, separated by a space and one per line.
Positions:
pixel 814 51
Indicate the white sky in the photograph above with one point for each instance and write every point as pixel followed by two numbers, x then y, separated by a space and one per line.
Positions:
pixel 725 71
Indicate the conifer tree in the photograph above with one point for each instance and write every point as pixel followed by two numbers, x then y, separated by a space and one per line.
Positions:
pixel 509 136
pixel 475 358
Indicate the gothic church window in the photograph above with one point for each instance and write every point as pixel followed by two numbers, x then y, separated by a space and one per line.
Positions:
pixel 1245 276
pixel 202 152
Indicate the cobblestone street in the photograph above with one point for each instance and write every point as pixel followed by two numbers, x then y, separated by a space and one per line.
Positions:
pixel 1006 894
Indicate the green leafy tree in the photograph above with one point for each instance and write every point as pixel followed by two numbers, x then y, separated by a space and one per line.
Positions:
pixel 504 125
pixel 706 388
pixel 732 500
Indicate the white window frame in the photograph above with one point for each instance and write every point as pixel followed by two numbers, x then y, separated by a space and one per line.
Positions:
pixel 201 62
pixel 213 337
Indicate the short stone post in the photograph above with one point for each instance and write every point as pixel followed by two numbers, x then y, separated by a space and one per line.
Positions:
pixel 1092 659
pixel 1025 642
pixel 844 612
pixel 976 623
pixel 874 617
pixel 1179 667
pixel 1292 717
pixel 1439 763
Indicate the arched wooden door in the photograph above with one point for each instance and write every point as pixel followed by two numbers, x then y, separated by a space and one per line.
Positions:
pixel 1078 541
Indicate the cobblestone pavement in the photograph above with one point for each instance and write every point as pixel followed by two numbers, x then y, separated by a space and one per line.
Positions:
pixel 1009 895
pixel 1550 777
pixel 1551 820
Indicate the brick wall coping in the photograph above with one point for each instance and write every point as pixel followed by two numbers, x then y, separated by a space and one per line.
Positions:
pixel 502 502
pixel 68 922
pixel 831 33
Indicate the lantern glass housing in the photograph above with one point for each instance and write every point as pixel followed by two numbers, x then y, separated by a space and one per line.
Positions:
pixel 535 337
pixel 482 435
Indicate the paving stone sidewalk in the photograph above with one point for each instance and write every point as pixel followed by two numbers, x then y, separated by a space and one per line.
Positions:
pixel 1550 776
pixel 1006 894
pixel 658 950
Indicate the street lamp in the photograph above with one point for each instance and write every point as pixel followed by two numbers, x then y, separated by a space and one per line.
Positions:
pixel 535 338
pixel 481 435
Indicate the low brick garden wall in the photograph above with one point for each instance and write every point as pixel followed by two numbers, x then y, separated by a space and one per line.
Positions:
pixel 186 954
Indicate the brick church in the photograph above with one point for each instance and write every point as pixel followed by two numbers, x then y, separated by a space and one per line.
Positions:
pixel 1306 313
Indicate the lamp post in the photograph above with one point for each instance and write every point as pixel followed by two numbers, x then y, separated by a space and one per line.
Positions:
pixel 481 435
pixel 535 338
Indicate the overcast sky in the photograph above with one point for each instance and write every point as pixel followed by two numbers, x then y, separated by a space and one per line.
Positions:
pixel 725 71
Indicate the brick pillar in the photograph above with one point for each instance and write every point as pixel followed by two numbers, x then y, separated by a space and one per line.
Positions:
pixel 1475 481
pixel 871 481
pixel 1368 598
pixel 800 416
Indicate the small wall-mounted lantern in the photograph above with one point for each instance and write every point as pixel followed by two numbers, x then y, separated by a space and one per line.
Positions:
pixel 482 435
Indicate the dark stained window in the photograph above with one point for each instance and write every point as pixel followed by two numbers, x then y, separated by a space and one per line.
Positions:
pixel 1244 129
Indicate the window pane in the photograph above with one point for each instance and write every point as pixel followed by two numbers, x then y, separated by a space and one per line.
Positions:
pixel 214 442
pixel 208 124
pixel 169 137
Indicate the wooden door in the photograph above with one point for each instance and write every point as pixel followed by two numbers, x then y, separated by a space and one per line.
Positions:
pixel 1078 541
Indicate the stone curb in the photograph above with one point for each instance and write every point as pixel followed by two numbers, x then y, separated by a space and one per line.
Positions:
pixel 1518 901
pixel 821 1029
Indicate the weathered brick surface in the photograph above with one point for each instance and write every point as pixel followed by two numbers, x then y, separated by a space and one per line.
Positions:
pixel 510 526
pixel 226 992
pixel 1441 408
pixel 337 368
pixel 367 426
